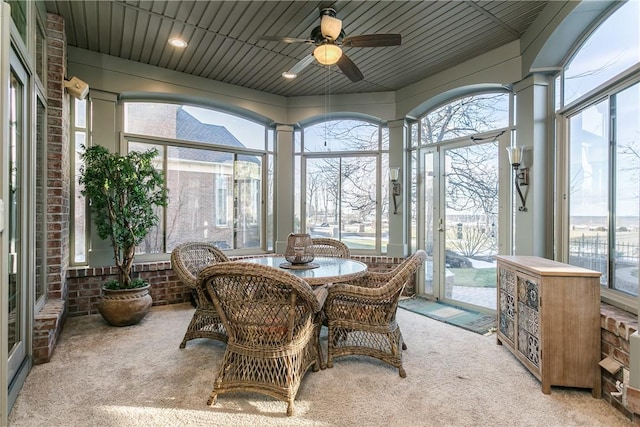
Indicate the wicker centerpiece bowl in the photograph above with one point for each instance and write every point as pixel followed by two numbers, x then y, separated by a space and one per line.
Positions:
pixel 299 249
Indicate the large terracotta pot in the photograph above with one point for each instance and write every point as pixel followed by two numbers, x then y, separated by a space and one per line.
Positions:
pixel 124 307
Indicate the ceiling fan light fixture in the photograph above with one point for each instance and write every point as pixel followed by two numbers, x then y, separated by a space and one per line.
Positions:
pixel 330 27
pixel 289 75
pixel 327 54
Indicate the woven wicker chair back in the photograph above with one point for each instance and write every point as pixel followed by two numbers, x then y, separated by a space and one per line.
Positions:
pixel 325 247
pixel 361 315
pixel 403 273
pixel 188 259
pixel 260 305
pixel 272 319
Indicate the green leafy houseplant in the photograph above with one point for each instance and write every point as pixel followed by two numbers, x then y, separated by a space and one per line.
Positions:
pixel 122 192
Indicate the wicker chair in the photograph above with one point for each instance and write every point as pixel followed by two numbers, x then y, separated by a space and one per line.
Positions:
pixel 325 247
pixel 361 315
pixel 272 319
pixel 187 260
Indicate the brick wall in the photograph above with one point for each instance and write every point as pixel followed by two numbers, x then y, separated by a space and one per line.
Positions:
pixel 58 151
pixel 85 283
pixel 48 322
pixel 617 326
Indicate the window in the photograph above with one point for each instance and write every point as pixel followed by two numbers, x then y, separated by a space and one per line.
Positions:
pixel 464 117
pixel 612 48
pixel 41 52
pixel 604 207
pixel 19 17
pixel 345 182
pixel 80 137
pixel 603 179
pixel 214 168
pixel 40 205
pixel 221 201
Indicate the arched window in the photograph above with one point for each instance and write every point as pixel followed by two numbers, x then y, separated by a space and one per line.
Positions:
pixel 602 171
pixel 612 48
pixel 343 191
pixel 217 168
pixel 466 116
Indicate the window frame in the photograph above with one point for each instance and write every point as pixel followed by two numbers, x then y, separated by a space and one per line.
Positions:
pixel 75 162
pixel 264 155
pixel 301 157
pixel 608 91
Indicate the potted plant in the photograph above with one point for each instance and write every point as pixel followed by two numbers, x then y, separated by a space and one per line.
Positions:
pixel 123 192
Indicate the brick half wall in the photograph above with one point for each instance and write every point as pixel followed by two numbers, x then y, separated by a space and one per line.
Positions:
pixel 85 283
pixel 48 321
pixel 616 327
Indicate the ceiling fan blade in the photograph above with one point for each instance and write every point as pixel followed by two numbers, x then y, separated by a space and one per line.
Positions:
pixel 299 66
pixel 285 39
pixel 330 27
pixel 350 69
pixel 373 40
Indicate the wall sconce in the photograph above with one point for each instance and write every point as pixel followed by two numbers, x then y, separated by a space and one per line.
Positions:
pixel 396 189
pixel 520 175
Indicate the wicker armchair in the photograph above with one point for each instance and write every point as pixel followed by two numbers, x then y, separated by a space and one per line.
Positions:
pixel 272 320
pixel 187 260
pixel 361 315
pixel 325 247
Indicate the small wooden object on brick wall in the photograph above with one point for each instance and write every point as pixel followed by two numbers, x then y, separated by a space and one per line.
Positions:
pixel 549 317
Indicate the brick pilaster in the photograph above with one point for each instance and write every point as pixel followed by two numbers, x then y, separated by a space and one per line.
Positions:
pixel 48 322
pixel 58 166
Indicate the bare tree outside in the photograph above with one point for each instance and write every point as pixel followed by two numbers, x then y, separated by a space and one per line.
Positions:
pixel 472 184
pixel 341 180
pixel 314 184
pixel 466 117
pixel 471 172
pixel 629 158
pixel 467 177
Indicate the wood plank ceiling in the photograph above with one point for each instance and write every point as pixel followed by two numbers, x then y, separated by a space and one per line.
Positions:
pixel 224 38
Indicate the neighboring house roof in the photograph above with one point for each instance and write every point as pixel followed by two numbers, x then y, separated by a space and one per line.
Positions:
pixel 189 128
pixel 192 129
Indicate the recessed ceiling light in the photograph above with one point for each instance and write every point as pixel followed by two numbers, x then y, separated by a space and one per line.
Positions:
pixel 177 42
pixel 289 75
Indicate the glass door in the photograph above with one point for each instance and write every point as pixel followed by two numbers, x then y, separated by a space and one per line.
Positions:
pixel 430 225
pixel 468 223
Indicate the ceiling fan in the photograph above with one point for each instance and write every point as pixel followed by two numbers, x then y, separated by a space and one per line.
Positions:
pixel 329 38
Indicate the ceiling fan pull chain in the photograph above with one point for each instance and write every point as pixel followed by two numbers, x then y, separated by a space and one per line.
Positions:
pixel 327 100
pixel 325 106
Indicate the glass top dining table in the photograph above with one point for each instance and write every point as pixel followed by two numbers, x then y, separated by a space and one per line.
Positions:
pixel 329 270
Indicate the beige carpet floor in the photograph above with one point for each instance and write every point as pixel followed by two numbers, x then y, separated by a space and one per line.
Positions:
pixel 137 376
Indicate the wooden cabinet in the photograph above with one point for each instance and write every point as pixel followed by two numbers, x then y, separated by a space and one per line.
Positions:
pixel 549 317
